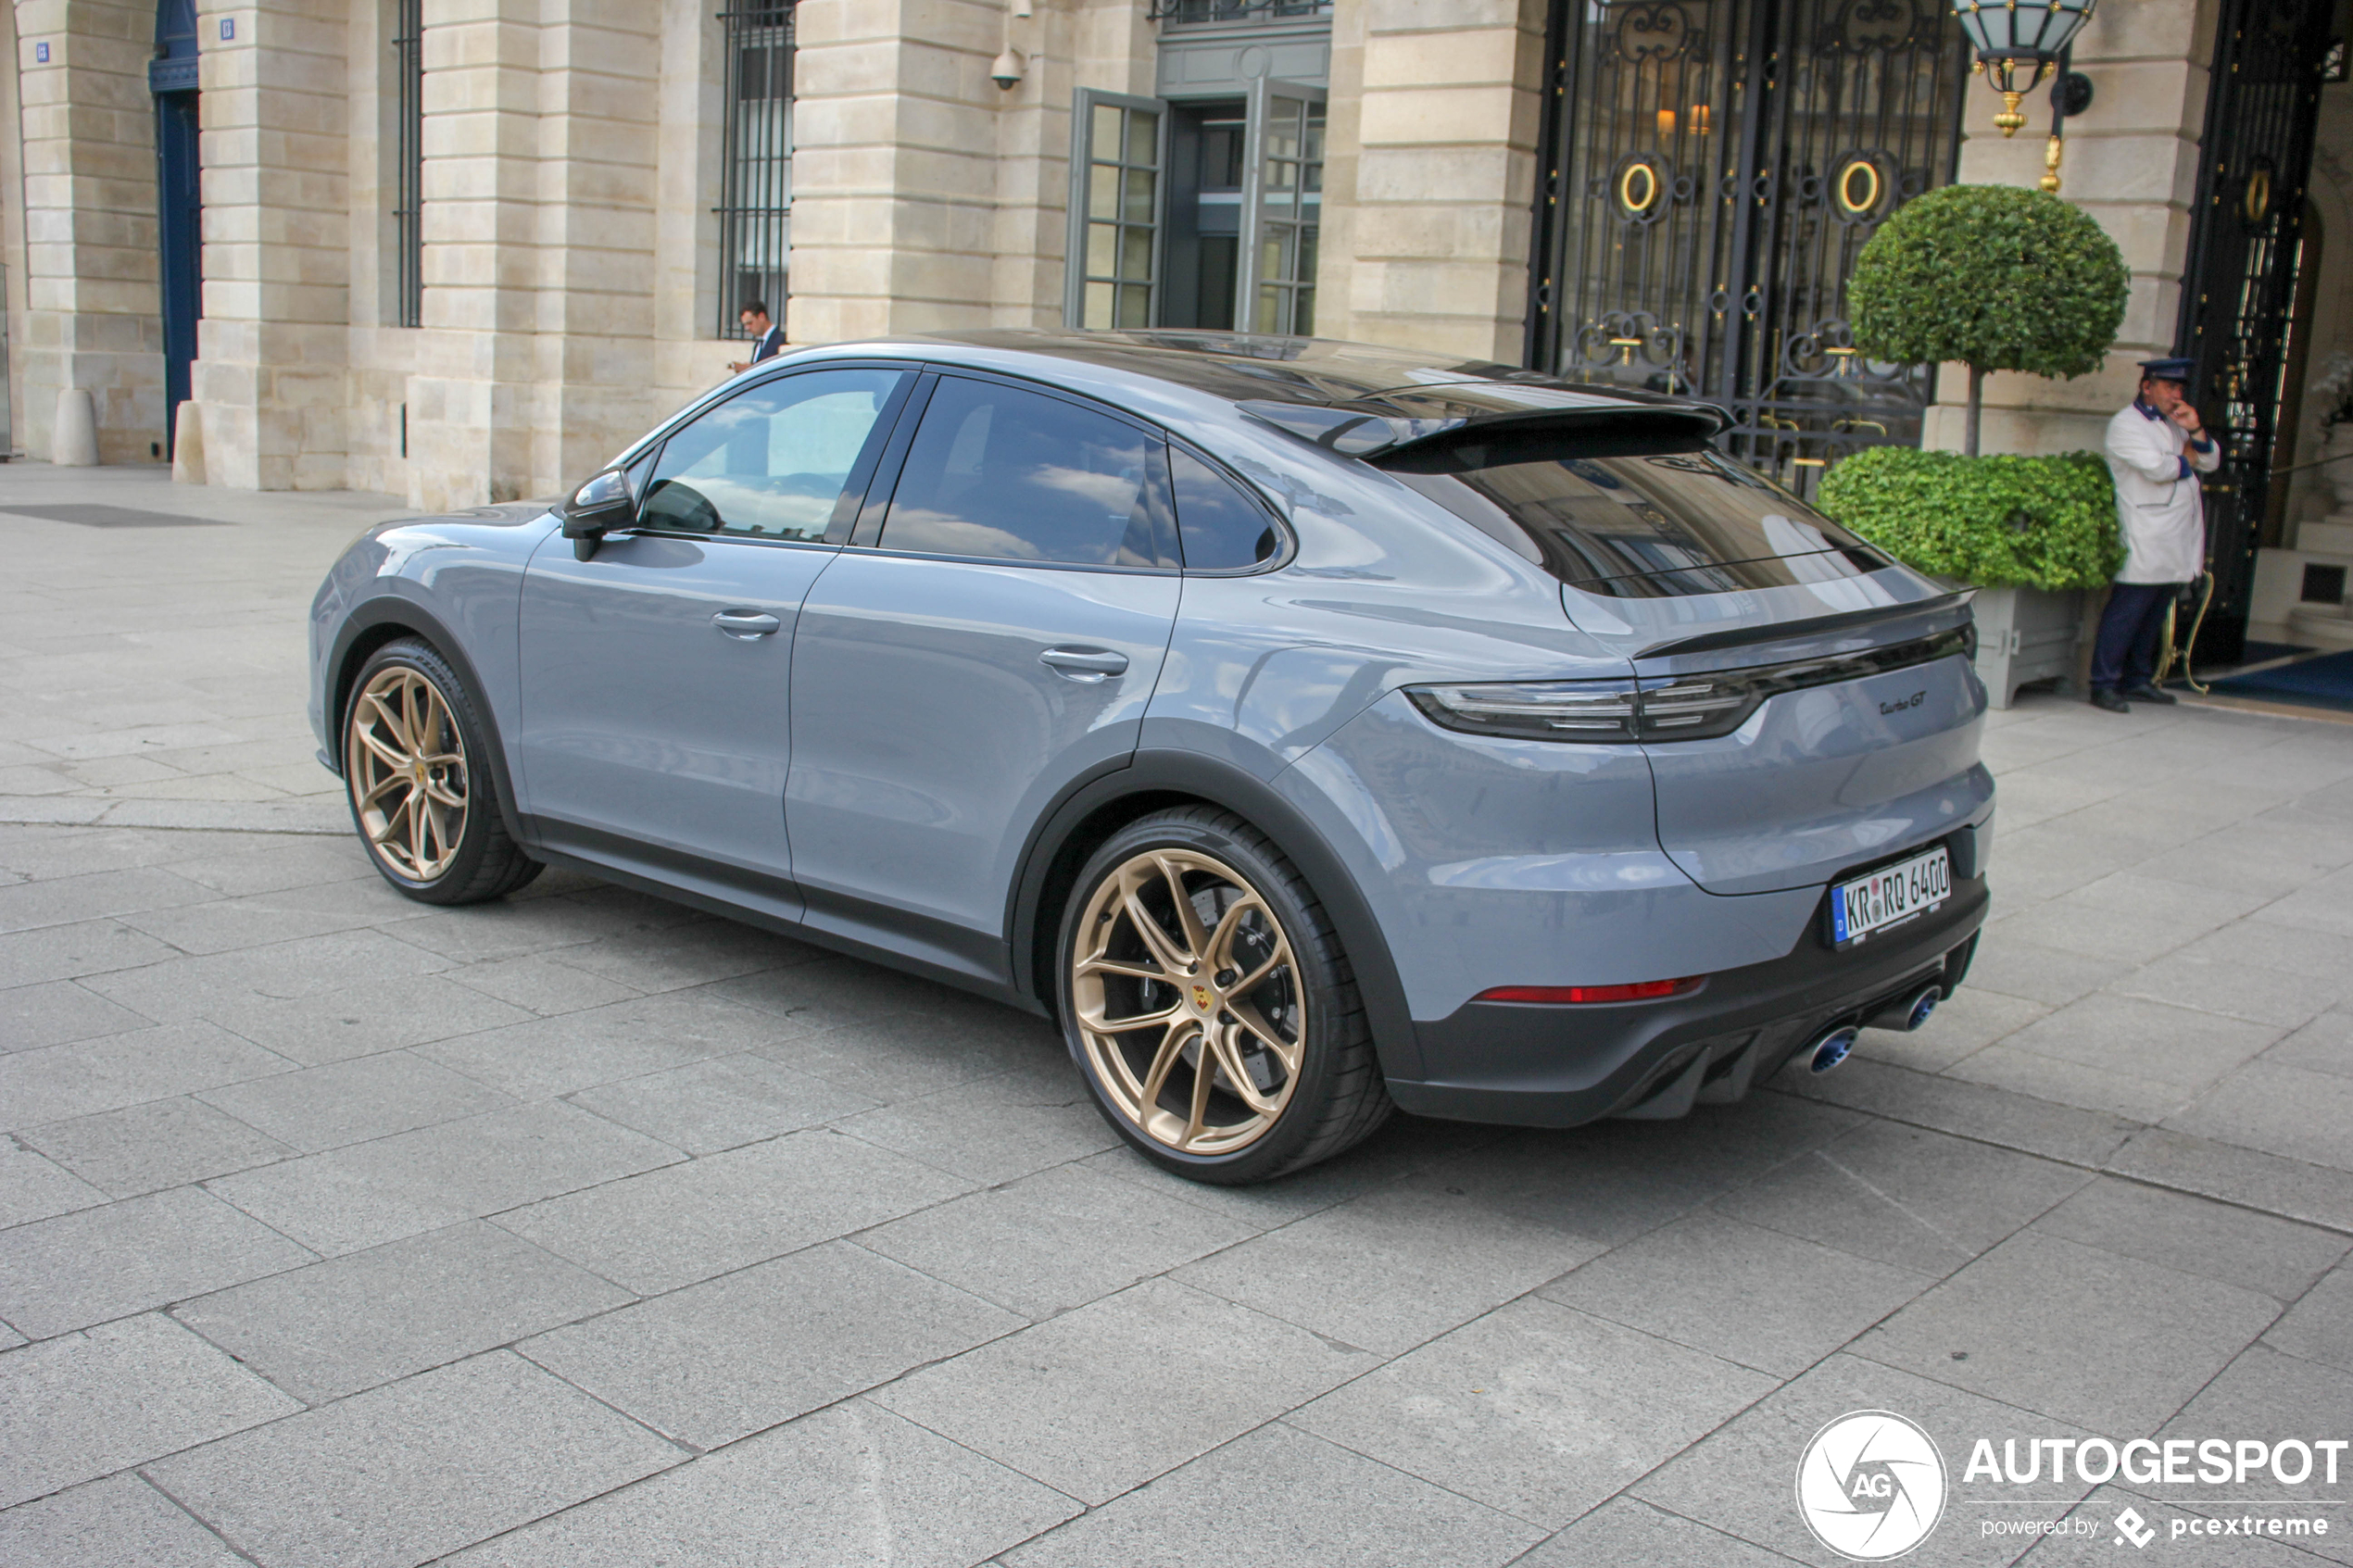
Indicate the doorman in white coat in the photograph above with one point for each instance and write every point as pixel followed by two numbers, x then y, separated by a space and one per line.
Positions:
pixel 2155 448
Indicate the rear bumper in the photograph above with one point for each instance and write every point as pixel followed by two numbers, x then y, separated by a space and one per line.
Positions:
pixel 1557 1066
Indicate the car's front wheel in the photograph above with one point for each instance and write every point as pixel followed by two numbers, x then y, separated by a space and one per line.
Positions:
pixel 1210 1004
pixel 414 765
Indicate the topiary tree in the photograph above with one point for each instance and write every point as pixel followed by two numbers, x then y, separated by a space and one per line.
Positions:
pixel 1997 278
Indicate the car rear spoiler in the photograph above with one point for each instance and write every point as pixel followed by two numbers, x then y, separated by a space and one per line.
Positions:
pixel 1813 626
pixel 1433 430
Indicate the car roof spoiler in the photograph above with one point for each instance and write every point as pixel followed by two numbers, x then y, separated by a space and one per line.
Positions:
pixel 1444 428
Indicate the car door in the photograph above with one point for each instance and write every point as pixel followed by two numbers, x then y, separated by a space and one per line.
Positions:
pixel 1001 638
pixel 656 691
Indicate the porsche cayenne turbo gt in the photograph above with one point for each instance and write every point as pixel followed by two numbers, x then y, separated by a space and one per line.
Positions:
pixel 1307 728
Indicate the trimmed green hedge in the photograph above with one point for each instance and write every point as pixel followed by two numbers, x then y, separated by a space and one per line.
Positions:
pixel 2029 523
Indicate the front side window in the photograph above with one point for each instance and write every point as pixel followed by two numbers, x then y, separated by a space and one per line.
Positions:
pixel 772 462
pixel 1654 527
pixel 1010 475
pixel 755 210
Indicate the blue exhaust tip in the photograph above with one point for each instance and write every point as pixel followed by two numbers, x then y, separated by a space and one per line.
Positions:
pixel 1832 1048
pixel 1923 1005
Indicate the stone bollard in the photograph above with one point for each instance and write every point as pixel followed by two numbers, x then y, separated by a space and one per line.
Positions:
pixel 187 444
pixel 73 442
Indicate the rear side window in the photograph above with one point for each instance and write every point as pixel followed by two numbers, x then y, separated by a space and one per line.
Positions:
pixel 1006 474
pixel 1681 523
pixel 1221 528
pixel 772 460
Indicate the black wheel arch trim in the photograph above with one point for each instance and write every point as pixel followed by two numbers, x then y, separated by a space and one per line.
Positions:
pixel 406 616
pixel 1194 776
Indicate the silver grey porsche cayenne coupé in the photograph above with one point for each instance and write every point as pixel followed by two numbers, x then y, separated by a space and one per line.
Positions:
pixel 1309 729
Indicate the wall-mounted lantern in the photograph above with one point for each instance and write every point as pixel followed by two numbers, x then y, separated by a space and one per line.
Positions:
pixel 2008 34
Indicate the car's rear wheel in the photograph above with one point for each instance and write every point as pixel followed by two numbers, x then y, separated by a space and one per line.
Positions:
pixel 1210 1004
pixel 414 756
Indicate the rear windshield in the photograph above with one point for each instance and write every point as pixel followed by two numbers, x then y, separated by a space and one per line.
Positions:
pixel 1656 527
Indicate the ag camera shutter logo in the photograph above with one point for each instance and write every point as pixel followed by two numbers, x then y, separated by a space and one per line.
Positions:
pixel 1870 1486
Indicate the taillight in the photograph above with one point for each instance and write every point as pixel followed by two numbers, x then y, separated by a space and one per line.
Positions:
pixel 1594 710
pixel 1640 991
pixel 1662 708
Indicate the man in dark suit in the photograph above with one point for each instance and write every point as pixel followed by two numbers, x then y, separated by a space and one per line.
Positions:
pixel 768 339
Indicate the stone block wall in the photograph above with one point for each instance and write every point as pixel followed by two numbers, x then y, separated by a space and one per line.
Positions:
pixel 271 379
pixel 895 167
pixel 91 315
pixel 572 163
pixel 1429 215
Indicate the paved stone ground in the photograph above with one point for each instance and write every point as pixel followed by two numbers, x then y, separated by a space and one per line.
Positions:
pixel 584 1230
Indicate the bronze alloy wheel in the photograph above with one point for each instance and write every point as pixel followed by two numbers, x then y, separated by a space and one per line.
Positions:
pixel 1188 1001
pixel 404 762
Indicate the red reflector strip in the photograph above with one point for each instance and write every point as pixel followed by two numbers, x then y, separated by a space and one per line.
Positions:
pixel 1641 991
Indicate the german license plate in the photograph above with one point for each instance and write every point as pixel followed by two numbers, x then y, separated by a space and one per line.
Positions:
pixel 1889 895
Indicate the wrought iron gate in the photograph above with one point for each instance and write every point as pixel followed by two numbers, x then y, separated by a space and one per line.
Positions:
pixel 2238 293
pixel 1711 168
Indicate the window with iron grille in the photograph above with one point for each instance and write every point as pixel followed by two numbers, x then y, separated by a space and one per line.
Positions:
pixel 1236 10
pixel 408 201
pixel 755 210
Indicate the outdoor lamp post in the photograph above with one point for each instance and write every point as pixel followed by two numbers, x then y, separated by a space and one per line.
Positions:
pixel 2010 33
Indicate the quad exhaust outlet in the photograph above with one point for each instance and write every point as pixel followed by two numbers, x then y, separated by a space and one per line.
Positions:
pixel 1832 1048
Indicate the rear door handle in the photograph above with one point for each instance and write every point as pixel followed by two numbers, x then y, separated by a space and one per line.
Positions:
pixel 1085 664
pixel 746 623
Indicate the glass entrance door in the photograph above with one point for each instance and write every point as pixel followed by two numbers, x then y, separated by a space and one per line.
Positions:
pixel 1206 162
pixel 1197 214
pixel 1282 208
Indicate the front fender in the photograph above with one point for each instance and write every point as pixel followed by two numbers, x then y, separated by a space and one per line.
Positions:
pixel 457 583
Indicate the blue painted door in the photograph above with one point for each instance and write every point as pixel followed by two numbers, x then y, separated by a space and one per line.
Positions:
pixel 171 77
pixel 655 721
pixel 1001 640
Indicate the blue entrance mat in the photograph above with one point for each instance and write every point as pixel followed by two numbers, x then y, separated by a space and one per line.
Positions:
pixel 2325 681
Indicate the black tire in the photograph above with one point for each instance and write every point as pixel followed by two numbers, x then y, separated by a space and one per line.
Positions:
pixel 477 861
pixel 1335 1095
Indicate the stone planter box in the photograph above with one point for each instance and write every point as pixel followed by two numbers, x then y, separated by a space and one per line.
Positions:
pixel 2026 634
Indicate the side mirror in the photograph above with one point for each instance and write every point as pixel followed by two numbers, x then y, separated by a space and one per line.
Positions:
pixel 602 504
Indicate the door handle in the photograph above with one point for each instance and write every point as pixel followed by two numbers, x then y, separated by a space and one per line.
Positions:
pixel 746 625
pixel 1085 664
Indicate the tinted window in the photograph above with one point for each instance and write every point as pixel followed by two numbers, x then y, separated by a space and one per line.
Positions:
pixel 1689 522
pixel 1221 527
pixel 771 461
pixel 1001 472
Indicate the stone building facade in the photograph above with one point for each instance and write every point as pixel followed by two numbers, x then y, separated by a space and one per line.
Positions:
pixel 462 250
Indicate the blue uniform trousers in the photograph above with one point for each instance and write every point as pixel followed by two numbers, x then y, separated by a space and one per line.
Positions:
pixel 2125 653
